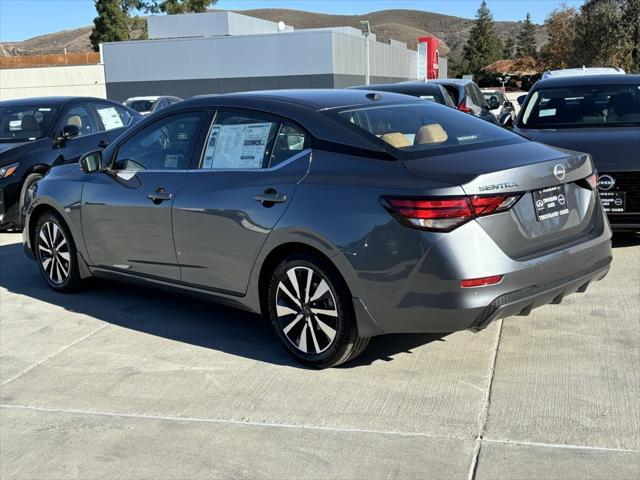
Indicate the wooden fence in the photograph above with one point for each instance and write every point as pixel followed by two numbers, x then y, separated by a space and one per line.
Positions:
pixel 80 58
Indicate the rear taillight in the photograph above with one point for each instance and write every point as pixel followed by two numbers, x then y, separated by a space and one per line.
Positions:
pixel 463 107
pixel 446 213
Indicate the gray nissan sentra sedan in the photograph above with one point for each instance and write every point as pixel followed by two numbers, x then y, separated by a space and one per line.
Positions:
pixel 338 214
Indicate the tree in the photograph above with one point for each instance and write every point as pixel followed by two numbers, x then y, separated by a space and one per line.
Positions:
pixel 526 39
pixel 509 50
pixel 608 34
pixel 172 7
pixel 111 24
pixel 558 52
pixel 483 46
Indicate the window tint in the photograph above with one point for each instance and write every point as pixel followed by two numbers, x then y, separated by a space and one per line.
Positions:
pixel 112 117
pixel 166 144
pixel 18 124
pixel 81 117
pixel 425 126
pixel 453 93
pixel 240 141
pixel 583 106
pixel 290 141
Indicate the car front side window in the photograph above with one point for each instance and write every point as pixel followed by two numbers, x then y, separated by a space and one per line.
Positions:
pixel 80 116
pixel 240 141
pixel 166 144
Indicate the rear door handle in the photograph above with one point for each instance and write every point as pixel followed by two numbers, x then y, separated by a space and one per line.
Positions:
pixel 270 197
pixel 159 196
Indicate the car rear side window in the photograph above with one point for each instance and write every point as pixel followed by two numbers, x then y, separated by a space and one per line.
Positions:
pixel 239 140
pixel 425 127
pixel 164 145
pixel 112 117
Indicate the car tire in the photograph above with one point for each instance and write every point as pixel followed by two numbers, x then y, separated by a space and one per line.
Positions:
pixel 313 317
pixel 26 185
pixel 56 253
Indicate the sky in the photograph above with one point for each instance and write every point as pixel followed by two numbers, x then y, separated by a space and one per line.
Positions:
pixel 22 19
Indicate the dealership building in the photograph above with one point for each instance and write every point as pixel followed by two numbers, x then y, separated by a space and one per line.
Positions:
pixel 219 52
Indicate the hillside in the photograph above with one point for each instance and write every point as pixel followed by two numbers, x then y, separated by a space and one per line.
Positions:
pixel 402 25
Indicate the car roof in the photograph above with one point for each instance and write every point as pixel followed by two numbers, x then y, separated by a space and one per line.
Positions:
pixel 400 86
pixel 313 109
pixel 580 80
pixel 315 99
pixel 460 82
pixel 49 101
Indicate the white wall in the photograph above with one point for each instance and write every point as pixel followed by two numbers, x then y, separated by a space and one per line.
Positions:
pixel 278 54
pixel 79 80
pixel 207 24
pixel 386 60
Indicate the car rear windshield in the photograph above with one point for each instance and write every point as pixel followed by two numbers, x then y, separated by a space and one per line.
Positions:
pixel 583 106
pixel 140 106
pixel 417 128
pixel 24 123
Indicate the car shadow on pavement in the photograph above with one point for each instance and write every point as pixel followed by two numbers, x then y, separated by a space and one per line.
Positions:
pixel 176 317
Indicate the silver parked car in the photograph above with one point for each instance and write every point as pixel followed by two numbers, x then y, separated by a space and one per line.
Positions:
pixel 338 214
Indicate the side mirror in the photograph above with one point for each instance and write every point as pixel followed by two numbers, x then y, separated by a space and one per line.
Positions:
pixel 70 131
pixel 506 120
pixel 521 99
pixel 91 162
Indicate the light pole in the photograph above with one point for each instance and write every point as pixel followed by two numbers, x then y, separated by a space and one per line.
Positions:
pixel 504 81
pixel 366 31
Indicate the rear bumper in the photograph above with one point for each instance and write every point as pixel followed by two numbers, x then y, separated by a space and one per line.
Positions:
pixel 521 302
pixel 428 297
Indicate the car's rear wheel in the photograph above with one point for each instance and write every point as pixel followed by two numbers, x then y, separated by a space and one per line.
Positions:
pixel 56 254
pixel 311 311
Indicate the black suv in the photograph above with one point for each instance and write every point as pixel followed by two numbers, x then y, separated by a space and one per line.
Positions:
pixel 37 133
pixel 596 114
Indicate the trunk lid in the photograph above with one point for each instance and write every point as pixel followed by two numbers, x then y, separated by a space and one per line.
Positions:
pixel 536 172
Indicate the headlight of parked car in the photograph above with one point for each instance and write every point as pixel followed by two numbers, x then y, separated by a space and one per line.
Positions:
pixel 8 170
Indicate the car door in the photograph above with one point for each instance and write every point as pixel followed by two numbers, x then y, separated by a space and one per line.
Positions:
pixel 126 211
pixel 229 203
pixel 90 135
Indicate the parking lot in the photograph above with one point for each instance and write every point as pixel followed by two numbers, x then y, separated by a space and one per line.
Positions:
pixel 126 382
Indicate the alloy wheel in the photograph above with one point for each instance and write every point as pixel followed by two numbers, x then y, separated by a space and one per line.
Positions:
pixel 54 253
pixel 306 309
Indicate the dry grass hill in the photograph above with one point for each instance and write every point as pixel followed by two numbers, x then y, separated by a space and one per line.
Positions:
pixel 402 25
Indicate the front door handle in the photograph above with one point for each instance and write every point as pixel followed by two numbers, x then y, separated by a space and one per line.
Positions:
pixel 159 196
pixel 270 197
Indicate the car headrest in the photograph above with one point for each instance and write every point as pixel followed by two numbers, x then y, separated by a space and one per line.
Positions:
pixel 76 121
pixel 29 124
pixel 396 139
pixel 432 133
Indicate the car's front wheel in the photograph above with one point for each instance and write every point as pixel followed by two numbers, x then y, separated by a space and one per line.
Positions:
pixel 311 311
pixel 56 254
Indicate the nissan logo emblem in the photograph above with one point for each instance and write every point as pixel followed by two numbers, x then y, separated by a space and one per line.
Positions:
pixel 559 171
pixel 606 182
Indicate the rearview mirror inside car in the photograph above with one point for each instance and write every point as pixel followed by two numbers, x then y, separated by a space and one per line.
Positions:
pixel 91 162
pixel 521 99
